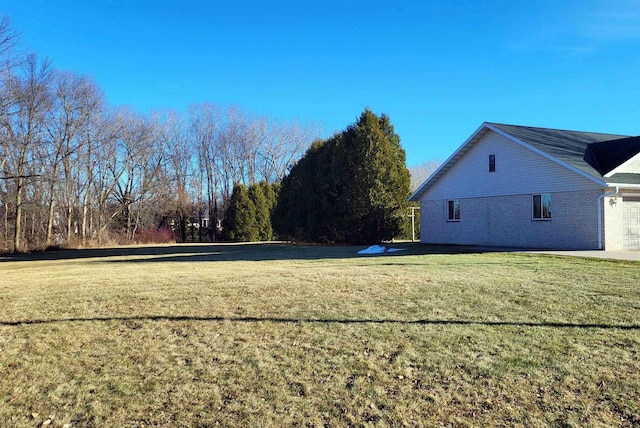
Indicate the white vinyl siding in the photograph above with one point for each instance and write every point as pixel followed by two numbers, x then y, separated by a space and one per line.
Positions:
pixel 521 171
pixel 630 167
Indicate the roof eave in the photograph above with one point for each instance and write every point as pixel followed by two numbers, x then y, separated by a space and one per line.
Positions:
pixel 624 185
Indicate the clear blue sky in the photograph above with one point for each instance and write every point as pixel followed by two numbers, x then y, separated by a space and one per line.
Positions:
pixel 437 68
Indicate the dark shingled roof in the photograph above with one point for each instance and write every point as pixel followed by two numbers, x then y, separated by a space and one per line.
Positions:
pixel 609 155
pixel 624 178
pixel 586 151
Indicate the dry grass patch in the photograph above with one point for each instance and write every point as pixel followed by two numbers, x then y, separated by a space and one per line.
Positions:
pixel 277 335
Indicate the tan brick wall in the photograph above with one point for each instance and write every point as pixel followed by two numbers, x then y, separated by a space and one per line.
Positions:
pixel 612 209
pixel 506 221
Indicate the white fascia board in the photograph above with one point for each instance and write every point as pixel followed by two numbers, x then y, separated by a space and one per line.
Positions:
pixel 446 164
pixel 623 186
pixel 548 156
pixel 622 165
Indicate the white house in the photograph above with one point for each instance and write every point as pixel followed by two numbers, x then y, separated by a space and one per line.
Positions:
pixel 520 186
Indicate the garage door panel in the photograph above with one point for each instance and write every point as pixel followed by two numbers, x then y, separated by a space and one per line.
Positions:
pixel 631 223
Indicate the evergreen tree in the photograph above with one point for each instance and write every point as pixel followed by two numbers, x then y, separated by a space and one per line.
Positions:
pixel 352 187
pixel 291 213
pixel 261 221
pixel 239 222
pixel 380 187
pixel 270 192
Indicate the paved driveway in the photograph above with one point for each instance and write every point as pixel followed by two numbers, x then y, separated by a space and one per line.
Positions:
pixel 633 255
pixel 618 255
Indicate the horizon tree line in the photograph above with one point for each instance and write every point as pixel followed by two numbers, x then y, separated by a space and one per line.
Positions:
pixel 77 171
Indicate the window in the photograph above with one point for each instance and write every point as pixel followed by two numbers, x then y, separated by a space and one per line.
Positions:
pixel 453 210
pixel 492 163
pixel 542 206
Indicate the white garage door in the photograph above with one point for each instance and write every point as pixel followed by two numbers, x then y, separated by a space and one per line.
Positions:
pixel 631 223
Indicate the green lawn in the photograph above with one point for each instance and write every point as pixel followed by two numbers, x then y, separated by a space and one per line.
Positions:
pixel 281 335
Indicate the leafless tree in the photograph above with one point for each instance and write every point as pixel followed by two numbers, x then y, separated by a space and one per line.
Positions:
pixel 72 167
pixel 8 42
pixel 23 126
pixel 76 99
pixel 95 135
pixel 204 127
pixel 8 58
pixel 180 168
pixel 286 143
pixel 135 169
pixel 419 173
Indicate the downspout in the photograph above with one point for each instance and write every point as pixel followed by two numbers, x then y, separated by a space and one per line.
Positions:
pixel 600 211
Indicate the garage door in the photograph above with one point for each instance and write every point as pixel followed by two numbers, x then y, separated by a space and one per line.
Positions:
pixel 631 223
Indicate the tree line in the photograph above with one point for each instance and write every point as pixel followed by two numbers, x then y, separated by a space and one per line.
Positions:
pixel 77 171
pixel 350 188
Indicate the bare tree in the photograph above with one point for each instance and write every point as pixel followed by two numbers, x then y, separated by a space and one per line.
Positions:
pixel 8 43
pixel 23 127
pixel 141 158
pixel 205 124
pixel 419 173
pixel 286 143
pixel 8 57
pixel 76 99
pixel 235 149
pixel 71 167
pixel 94 134
pixel 180 167
pixel 103 168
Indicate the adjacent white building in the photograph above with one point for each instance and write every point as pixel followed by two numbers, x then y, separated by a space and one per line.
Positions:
pixel 519 186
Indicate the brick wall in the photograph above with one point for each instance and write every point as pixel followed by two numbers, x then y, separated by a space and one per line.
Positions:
pixel 612 208
pixel 507 221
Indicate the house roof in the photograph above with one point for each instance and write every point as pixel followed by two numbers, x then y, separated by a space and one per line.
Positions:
pixel 624 178
pixel 590 154
pixel 609 155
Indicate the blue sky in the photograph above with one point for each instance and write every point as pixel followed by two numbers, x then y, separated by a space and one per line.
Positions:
pixel 437 68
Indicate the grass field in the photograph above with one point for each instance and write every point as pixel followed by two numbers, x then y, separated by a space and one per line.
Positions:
pixel 283 335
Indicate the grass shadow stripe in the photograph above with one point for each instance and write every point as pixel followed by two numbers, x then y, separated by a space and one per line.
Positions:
pixel 328 321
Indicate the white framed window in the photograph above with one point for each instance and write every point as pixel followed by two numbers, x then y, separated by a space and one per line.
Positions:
pixel 453 210
pixel 541 204
pixel 492 163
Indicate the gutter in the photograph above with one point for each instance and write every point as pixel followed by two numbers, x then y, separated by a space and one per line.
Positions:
pixel 600 212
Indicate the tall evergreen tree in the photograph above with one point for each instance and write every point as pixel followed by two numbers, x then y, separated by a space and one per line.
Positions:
pixel 261 220
pixel 381 187
pixel 352 187
pixel 291 213
pixel 270 192
pixel 239 221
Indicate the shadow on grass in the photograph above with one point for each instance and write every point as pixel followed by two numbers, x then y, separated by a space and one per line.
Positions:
pixel 239 252
pixel 330 321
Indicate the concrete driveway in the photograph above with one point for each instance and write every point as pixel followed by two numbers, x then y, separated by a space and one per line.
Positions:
pixel 600 254
pixel 633 255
